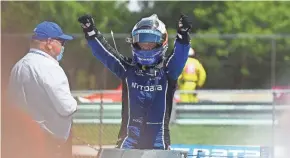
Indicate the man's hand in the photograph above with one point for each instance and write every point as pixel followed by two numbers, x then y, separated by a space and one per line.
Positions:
pixel 183 29
pixel 88 25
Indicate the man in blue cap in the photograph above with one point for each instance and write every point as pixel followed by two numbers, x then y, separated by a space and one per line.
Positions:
pixel 49 37
pixel 39 86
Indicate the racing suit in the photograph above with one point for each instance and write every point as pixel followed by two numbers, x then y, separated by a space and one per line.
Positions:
pixel 147 94
pixel 193 76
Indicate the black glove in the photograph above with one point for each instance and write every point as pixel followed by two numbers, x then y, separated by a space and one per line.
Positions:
pixel 88 25
pixel 183 29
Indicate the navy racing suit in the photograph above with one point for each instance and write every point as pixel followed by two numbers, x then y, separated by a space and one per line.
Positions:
pixel 147 94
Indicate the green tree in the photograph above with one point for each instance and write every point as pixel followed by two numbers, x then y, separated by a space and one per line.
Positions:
pixel 233 61
pixel 65 13
pixel 239 62
pixel 21 18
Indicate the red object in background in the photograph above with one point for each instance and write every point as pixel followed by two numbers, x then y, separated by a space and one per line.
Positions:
pixel 109 97
pixel 21 136
pixel 281 97
pixel 106 97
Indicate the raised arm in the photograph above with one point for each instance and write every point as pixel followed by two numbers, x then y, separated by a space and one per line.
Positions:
pixel 176 61
pixel 107 55
pixel 101 49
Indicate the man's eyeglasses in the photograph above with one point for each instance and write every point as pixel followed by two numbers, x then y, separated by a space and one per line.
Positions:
pixel 62 42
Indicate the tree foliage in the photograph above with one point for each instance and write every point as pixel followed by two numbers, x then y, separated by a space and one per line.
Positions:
pixel 244 61
pixel 108 14
pixel 239 61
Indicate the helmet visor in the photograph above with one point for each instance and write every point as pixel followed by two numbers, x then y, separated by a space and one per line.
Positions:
pixel 147 36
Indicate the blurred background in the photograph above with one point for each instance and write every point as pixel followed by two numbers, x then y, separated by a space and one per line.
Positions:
pixel 243 46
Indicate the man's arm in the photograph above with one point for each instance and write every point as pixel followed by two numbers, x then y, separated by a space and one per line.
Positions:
pixel 201 75
pixel 101 48
pixel 57 88
pixel 178 58
pixel 107 55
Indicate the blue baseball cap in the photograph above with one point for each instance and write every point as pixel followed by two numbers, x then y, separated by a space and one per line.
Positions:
pixel 47 30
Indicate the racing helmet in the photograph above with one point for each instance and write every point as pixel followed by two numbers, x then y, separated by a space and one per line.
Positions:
pixel 149 41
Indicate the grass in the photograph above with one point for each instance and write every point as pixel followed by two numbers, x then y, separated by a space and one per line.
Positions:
pixel 182 134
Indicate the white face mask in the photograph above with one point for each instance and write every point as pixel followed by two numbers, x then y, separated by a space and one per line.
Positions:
pixel 59 57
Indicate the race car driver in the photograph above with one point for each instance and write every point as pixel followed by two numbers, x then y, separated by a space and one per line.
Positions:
pixel 193 76
pixel 149 78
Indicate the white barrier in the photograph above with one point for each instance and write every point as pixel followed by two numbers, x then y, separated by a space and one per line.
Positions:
pixel 210 114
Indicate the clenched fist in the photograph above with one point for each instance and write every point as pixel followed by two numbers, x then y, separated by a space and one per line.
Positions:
pixel 88 25
pixel 183 28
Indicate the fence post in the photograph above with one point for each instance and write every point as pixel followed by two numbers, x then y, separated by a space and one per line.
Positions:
pixel 273 125
pixel 101 121
pixel 273 62
pixel 273 83
pixel 102 105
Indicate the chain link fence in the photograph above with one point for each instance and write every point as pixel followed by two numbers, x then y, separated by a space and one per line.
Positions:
pixel 231 62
